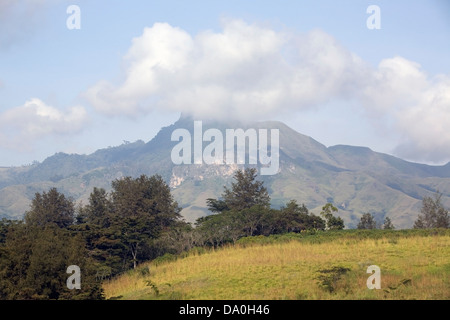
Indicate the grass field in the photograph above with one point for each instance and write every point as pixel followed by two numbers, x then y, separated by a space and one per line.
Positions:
pixel 414 265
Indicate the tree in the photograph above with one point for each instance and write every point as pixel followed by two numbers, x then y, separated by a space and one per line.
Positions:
pixel 180 238
pixel 367 222
pixel 432 214
pixel 218 229
pixel 317 223
pixel 387 225
pixel 34 263
pixel 246 192
pixel 142 209
pixel 103 241
pixel 97 211
pixel 254 220
pixel 5 226
pixel 123 227
pixel 51 207
pixel 216 205
pixel 291 218
pixel 295 218
pixel 14 261
pixel 332 222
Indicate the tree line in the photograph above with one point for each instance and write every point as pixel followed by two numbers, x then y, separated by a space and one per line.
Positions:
pixel 105 237
pixel 139 220
pixel 432 214
pixel 244 210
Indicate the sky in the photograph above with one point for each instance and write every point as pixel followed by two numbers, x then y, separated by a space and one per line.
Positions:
pixel 132 67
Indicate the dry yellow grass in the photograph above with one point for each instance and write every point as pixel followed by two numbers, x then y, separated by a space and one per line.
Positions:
pixel 289 271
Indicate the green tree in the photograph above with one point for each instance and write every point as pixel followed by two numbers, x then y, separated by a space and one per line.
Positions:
pixel 331 222
pixel 180 238
pixel 255 220
pixel 295 218
pixel 97 212
pixel 34 263
pixel 246 192
pixel 49 208
pixel 216 205
pixel 291 218
pixel 433 214
pixel 316 223
pixel 5 225
pixel 218 229
pixel 123 227
pixel 387 224
pixel 367 221
pixel 103 241
pixel 243 211
pixel 14 262
pixel 142 209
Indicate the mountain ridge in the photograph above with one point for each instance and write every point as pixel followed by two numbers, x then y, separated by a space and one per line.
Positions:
pixel 355 178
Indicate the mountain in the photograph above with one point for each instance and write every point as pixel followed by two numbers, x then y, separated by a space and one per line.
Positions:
pixel 354 179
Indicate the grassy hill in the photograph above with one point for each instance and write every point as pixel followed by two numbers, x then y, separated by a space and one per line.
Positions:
pixel 415 264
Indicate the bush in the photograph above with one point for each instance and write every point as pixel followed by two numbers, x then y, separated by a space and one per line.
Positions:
pixel 328 278
pixel 168 257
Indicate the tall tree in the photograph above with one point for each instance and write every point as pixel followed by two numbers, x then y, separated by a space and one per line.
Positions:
pixel 387 225
pixel 103 242
pixel 433 214
pixel 367 221
pixel 332 222
pixel 51 208
pixel 142 209
pixel 295 218
pixel 97 211
pixel 34 264
pixel 216 205
pixel 5 226
pixel 246 192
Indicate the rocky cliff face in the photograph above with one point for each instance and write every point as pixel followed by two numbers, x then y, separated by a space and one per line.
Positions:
pixel 199 172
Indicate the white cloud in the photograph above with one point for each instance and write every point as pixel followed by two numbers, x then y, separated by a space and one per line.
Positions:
pixel 396 83
pixel 426 124
pixel 244 71
pixel 21 126
pixel 247 71
pixel 160 51
pixel 416 106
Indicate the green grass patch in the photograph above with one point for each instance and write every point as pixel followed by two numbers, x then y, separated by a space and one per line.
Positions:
pixel 321 265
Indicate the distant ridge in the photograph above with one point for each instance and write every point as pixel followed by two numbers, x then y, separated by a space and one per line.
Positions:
pixel 355 179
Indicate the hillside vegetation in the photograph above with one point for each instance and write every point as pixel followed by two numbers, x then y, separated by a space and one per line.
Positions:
pixel 243 249
pixel 415 264
pixel 355 179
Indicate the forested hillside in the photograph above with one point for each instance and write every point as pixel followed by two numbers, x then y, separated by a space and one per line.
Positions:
pixel 139 221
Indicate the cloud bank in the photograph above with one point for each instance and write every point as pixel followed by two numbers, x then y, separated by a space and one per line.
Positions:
pixel 22 126
pixel 248 71
pixel 245 71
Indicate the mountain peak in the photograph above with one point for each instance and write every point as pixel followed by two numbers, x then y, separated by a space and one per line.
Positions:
pixel 355 179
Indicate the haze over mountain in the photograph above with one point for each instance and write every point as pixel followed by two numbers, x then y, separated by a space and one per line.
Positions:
pixel 355 179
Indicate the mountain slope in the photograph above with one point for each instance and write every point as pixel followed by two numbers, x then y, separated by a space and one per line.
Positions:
pixel 355 179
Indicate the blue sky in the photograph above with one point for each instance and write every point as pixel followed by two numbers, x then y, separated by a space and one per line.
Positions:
pixel 135 65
